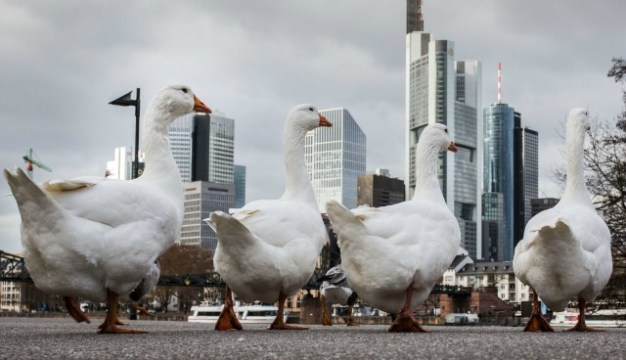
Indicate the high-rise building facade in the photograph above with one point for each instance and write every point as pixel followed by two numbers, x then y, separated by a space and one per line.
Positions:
pixel 201 198
pixel 511 169
pixel 442 90
pixel 498 174
pixel 204 147
pixel 121 168
pixel 527 176
pixel 335 157
pixel 240 186
pixel 379 190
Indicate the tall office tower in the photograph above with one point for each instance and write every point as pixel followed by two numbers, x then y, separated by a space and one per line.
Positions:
pixel 181 142
pixel 121 167
pixel 498 172
pixel 510 169
pixel 379 190
pixel 203 147
pixel 335 157
pixel 414 18
pixel 526 176
pixel 541 204
pixel 201 198
pixel 240 186
pixel 437 88
pixel 493 226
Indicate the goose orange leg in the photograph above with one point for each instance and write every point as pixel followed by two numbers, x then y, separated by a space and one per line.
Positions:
pixel 405 321
pixel 228 319
pixel 109 326
pixel 580 325
pixel 350 321
pixel 325 319
pixel 73 308
pixel 279 323
pixel 536 322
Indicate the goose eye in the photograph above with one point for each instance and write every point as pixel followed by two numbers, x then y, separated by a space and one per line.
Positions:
pixel 311 109
pixel 184 90
pixel 446 130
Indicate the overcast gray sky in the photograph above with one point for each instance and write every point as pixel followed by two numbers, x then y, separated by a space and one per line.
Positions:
pixel 61 62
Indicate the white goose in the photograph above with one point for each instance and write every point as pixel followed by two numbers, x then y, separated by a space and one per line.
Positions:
pixel 96 238
pixel 566 250
pixel 394 255
pixel 267 250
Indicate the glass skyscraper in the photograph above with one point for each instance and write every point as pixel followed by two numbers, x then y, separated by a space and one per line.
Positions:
pixel 511 169
pixel 335 157
pixel 240 186
pixel 442 90
pixel 498 175
pixel 203 148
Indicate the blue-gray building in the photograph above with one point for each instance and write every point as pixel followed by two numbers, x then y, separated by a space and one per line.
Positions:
pixel 335 158
pixel 510 174
pixel 498 175
pixel 240 186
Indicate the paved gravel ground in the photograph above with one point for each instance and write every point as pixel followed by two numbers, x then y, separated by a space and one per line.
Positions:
pixel 30 338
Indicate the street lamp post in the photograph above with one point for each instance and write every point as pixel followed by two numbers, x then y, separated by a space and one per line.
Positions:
pixel 126 100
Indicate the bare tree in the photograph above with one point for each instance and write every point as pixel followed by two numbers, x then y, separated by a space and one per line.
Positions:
pixel 183 261
pixel 605 158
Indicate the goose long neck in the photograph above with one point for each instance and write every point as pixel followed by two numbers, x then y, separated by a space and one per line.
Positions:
pixel 426 165
pixel 575 188
pixel 298 185
pixel 159 161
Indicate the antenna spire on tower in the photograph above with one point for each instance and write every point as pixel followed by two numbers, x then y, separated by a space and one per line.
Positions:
pixel 499 83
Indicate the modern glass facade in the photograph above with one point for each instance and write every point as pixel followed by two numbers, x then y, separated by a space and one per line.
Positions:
pixel 511 168
pixel 498 175
pixel 204 147
pixel 201 198
pixel 442 90
pixel 527 176
pixel 335 157
pixel 240 186
pixel 181 142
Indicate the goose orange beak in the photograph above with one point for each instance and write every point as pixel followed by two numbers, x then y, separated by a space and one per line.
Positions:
pixel 324 121
pixel 199 106
pixel 453 147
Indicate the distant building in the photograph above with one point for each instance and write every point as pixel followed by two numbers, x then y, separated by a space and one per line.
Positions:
pixel 526 177
pixel 201 198
pixel 539 205
pixel 121 167
pixel 511 169
pixel 203 147
pixel 335 157
pixel 490 274
pixel 377 190
pixel 240 186
pixel 440 89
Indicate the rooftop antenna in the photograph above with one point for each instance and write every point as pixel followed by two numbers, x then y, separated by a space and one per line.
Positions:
pixel 499 83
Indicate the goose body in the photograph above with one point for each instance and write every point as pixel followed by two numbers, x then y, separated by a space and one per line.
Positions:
pixel 97 238
pixel 268 249
pixel 566 250
pixel 394 255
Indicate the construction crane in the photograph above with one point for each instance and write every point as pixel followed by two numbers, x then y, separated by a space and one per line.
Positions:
pixel 30 161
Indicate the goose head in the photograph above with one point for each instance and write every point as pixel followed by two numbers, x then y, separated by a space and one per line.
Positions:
pixel 305 117
pixel 178 100
pixel 437 136
pixel 578 123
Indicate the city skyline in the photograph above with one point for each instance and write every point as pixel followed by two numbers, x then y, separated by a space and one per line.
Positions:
pixel 555 58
